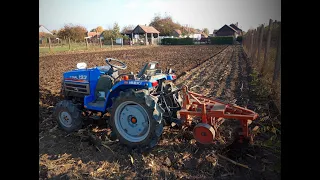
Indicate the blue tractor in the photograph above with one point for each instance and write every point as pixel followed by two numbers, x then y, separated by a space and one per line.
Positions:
pixel 139 105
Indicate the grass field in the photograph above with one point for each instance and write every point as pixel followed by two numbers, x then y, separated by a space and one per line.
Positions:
pixel 80 47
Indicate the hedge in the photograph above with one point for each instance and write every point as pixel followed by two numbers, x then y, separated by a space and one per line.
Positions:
pixel 222 40
pixel 177 41
pixel 239 39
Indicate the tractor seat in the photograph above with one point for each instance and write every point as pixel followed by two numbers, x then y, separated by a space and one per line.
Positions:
pixel 104 84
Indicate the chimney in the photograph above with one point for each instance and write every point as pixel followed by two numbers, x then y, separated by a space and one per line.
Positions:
pixel 237 24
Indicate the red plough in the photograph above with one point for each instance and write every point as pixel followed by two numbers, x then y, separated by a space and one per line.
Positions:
pixel 212 113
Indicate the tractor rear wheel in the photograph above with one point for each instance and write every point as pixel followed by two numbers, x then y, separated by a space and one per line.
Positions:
pixel 136 119
pixel 68 116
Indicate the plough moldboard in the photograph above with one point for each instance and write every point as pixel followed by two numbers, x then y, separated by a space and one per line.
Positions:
pixel 212 112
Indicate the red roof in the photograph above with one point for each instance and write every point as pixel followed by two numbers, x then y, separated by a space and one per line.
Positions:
pixel 92 34
pixel 178 31
pixel 149 29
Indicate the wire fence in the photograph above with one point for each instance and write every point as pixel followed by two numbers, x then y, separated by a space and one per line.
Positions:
pixel 52 45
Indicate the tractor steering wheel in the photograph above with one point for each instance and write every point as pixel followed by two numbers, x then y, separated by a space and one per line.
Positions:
pixel 123 65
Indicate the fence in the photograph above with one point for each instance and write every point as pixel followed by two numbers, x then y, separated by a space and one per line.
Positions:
pixel 57 45
pixel 263 47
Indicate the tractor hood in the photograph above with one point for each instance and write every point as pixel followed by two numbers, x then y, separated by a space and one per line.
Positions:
pixel 83 74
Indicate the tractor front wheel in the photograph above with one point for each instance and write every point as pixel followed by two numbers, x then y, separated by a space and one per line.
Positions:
pixel 136 119
pixel 68 116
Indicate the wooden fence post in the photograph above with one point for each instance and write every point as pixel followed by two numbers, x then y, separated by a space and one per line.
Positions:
pixel 251 43
pixel 86 43
pixel 277 64
pixel 260 43
pixel 266 52
pixel 49 44
pixel 256 37
pixel 122 42
pixel 69 44
pixel 100 43
pixel 111 44
pixel 248 42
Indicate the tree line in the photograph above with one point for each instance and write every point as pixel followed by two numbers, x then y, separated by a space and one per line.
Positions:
pixel 164 24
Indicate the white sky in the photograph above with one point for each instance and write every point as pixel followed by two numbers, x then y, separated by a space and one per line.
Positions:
pixel 211 14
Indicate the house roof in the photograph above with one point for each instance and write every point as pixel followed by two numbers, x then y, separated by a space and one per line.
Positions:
pixel 204 35
pixel 128 32
pixel 44 29
pixel 214 31
pixel 235 27
pixel 227 27
pixel 189 29
pixel 197 31
pixel 92 34
pixel 178 31
pixel 147 29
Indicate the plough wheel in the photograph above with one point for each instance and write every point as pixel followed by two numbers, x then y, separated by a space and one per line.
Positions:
pixel 204 133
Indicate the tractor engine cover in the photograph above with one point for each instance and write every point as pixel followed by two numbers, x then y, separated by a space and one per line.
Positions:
pixel 204 133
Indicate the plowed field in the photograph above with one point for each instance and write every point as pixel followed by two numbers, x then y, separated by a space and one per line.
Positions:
pixel 219 71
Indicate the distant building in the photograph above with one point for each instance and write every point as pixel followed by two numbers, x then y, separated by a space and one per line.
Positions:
pixel 177 33
pixel 44 30
pixel 44 33
pixel 214 32
pixel 235 26
pixel 151 35
pixel 228 30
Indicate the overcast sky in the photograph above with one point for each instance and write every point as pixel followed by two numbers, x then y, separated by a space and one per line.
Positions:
pixel 211 14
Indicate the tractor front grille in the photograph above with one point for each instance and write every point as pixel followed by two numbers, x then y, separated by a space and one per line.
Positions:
pixel 77 87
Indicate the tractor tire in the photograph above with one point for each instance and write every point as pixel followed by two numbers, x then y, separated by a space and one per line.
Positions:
pixel 168 87
pixel 68 116
pixel 136 119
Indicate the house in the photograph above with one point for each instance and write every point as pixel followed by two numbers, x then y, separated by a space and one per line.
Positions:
pixel 227 30
pixel 235 26
pixel 129 33
pixel 197 33
pixel 203 35
pixel 93 35
pixel 44 33
pixel 177 33
pixel 44 30
pixel 151 35
pixel 214 33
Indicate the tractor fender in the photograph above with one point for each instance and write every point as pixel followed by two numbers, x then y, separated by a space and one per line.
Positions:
pixel 115 92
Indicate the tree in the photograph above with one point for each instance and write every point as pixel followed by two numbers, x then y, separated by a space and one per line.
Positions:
pixel 205 31
pixel 164 24
pixel 112 33
pixel 127 27
pixel 107 34
pixel 93 30
pixel 74 32
pixel 99 29
pixel 54 32
pixel 116 30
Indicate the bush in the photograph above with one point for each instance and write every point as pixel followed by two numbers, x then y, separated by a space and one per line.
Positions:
pixel 222 40
pixel 177 41
pixel 239 39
